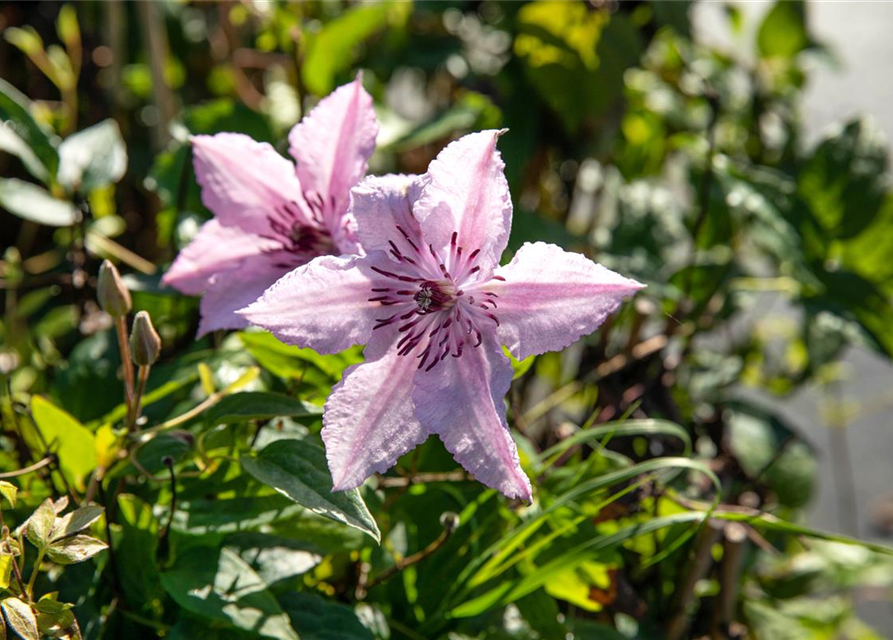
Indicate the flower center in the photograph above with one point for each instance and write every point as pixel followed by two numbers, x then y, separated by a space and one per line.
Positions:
pixel 298 239
pixel 313 240
pixel 435 296
pixel 432 313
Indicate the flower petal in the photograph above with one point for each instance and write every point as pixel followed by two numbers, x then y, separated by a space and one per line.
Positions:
pixel 381 204
pixel 461 400
pixel 369 419
pixel 244 181
pixel 333 143
pixel 551 297
pixel 214 249
pixel 467 193
pixel 231 290
pixel 323 305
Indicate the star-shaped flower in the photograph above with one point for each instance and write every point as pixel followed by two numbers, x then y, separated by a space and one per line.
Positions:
pixel 269 217
pixel 433 307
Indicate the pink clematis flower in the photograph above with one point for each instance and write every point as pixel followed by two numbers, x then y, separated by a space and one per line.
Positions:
pixel 269 217
pixel 433 307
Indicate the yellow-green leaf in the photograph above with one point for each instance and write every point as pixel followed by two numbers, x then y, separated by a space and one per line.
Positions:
pixel 21 618
pixel 5 570
pixel 9 491
pixel 68 438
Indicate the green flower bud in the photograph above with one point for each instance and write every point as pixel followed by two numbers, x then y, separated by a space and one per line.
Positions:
pixel 449 521
pixel 145 345
pixel 113 296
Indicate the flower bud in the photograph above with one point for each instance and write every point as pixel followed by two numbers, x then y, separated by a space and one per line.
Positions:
pixel 145 345
pixel 449 521
pixel 113 296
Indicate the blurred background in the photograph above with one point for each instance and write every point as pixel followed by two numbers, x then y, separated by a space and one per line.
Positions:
pixel 729 154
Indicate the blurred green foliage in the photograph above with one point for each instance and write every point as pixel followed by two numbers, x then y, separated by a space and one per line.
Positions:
pixel 666 498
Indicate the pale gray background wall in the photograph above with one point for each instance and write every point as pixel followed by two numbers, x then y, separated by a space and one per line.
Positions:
pixel 861 36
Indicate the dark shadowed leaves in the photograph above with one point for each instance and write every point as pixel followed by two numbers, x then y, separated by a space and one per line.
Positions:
pixel 317 619
pixel 220 586
pixel 258 405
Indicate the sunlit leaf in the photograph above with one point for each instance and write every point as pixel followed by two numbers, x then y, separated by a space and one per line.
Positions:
pixel 91 158
pixel 783 31
pixel 333 50
pixel 75 549
pixel 31 202
pixel 71 441
pixel 20 618
pixel 220 586
pixel 298 469
pixel 8 490
pixel 40 524
pixel 15 111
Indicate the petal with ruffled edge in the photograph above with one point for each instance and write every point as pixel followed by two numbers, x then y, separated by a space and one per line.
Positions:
pixel 382 206
pixel 369 419
pixel 323 305
pixel 214 249
pixel 467 193
pixel 244 182
pixel 551 297
pixel 333 144
pixel 231 290
pixel 461 400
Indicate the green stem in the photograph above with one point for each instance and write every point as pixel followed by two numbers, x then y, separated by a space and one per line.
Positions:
pixel 135 406
pixel 40 553
pixel 124 345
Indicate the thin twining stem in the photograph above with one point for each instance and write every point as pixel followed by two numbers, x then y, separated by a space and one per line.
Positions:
pixel 40 464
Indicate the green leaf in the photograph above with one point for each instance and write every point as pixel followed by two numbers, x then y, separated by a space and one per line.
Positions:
pixel 616 429
pixel 853 298
pixel 511 590
pixel 512 548
pixel 274 558
pixel 584 629
pixel 316 618
pixel 542 614
pixel 292 362
pixel 6 562
pixel 15 112
pixel 26 40
pixel 298 469
pixel 675 14
pixel 91 158
pixel 21 618
pixel 12 143
pixel 783 31
pixel 844 181
pixel 220 586
pixel 9 491
pixel 258 405
pixel 67 26
pixel 334 49
pixel 770 452
pixel 40 524
pixel 31 202
pixel 138 543
pixel 71 441
pixel 868 253
pixel 76 521
pixel 472 111
pixel 203 517
pixel 75 549
pixel 520 367
pixel 575 57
